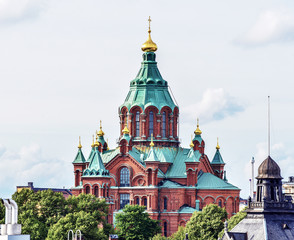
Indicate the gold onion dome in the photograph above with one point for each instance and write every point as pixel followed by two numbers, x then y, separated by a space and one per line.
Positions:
pixel 100 133
pixel 217 145
pixel 93 144
pixel 96 144
pixel 198 131
pixel 80 145
pixel 125 130
pixel 191 144
pixel 149 45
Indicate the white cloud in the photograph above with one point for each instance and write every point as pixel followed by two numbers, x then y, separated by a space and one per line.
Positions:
pixel 271 26
pixel 29 165
pixel 216 104
pixel 17 10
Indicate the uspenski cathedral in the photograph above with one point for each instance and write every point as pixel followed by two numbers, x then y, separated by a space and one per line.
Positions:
pixel 149 167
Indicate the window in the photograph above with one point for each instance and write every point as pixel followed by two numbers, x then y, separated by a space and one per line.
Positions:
pixel 87 190
pixel 163 125
pixel 137 201
pixel 165 203
pixel 220 203
pixel 150 123
pixel 145 202
pixel 124 200
pixel 165 229
pixel 96 191
pixel 124 177
pixel 137 124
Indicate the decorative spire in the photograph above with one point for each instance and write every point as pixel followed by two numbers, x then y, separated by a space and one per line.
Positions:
pixel 93 144
pixel 151 144
pixel 125 130
pixel 217 145
pixel 80 145
pixel 191 144
pixel 96 144
pixel 100 133
pixel 198 131
pixel 149 45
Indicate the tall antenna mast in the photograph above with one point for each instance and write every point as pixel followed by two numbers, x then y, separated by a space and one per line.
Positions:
pixel 269 127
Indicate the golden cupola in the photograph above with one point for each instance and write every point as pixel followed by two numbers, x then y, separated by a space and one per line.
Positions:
pixel 198 131
pixel 149 45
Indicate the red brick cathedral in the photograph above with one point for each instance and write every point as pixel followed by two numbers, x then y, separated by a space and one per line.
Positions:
pixel 149 167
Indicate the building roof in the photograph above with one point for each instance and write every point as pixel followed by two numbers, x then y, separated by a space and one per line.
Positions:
pixel 217 159
pixel 148 88
pixel 79 157
pixel 210 181
pixel 269 169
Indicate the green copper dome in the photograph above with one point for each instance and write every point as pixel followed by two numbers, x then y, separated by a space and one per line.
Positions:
pixel 148 88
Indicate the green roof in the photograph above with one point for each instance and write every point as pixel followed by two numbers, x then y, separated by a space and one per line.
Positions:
pixel 171 184
pixel 197 138
pixel 96 166
pixel 210 181
pixel 91 154
pixel 187 209
pixel 148 88
pixel 192 156
pixel 217 159
pixel 151 157
pixel 79 157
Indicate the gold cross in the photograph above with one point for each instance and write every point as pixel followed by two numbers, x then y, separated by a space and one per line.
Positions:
pixel 149 20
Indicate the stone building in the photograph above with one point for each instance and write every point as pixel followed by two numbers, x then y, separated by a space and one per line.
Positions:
pixel 149 167
pixel 271 216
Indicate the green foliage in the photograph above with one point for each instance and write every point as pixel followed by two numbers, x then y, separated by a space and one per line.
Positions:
pixel 234 220
pixel 179 235
pixel 83 221
pixel 134 223
pixel 47 215
pixel 159 237
pixel 207 224
pixel 2 212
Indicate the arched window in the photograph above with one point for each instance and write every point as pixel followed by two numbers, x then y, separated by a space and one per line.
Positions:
pixel 137 201
pixel 220 203
pixel 145 202
pixel 163 128
pixel 124 200
pixel 137 124
pixel 150 123
pixel 124 177
pixel 87 190
pixel 96 191
pixel 165 229
pixel 165 203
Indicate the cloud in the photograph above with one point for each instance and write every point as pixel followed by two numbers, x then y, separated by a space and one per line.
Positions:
pixel 12 11
pixel 271 26
pixel 29 165
pixel 216 104
pixel 278 152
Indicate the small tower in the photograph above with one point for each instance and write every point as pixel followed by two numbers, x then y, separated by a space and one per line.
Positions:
pixel 218 163
pixel 192 163
pixel 125 142
pixel 152 163
pixel 101 140
pixel 269 181
pixel 79 164
pixel 198 142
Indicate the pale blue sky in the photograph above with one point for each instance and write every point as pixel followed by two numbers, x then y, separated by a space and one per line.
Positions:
pixel 64 65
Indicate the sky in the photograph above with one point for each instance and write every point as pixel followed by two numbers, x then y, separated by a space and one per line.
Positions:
pixel 66 65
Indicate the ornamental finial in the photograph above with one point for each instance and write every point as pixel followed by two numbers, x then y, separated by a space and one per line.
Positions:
pixel 152 143
pixel 149 45
pixel 93 144
pixel 198 131
pixel 191 144
pixel 80 145
pixel 217 145
pixel 107 144
pixel 125 130
pixel 100 133
pixel 96 144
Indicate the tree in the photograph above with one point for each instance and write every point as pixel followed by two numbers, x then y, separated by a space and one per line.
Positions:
pixel 134 223
pixel 83 221
pixel 234 220
pixel 2 212
pixel 180 234
pixel 207 224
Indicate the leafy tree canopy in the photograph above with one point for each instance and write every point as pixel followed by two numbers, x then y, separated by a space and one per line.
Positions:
pixel 47 212
pixel 2 213
pixel 207 224
pixel 134 223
